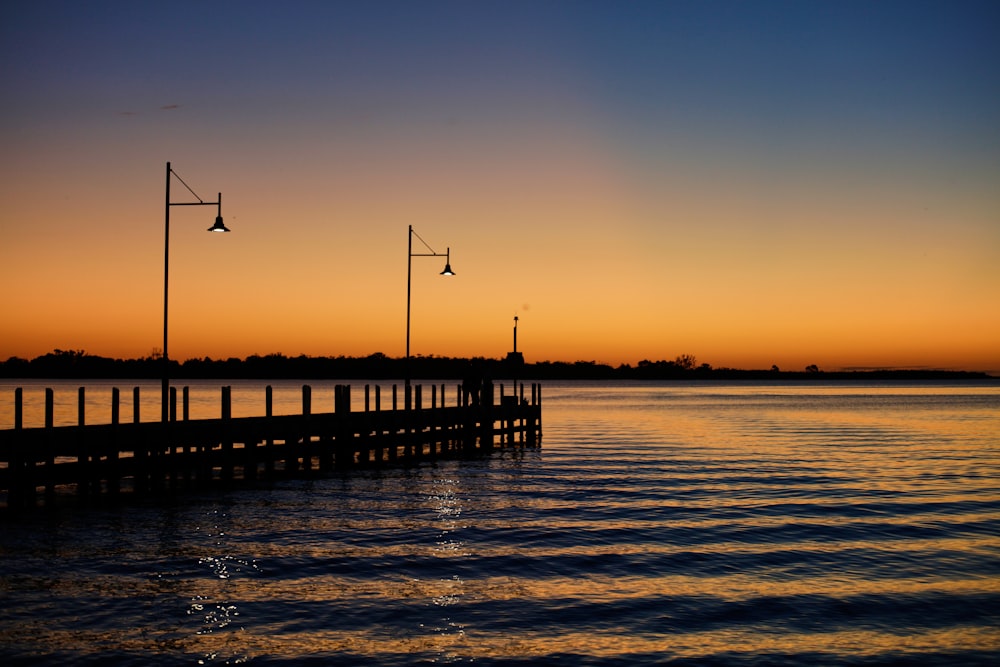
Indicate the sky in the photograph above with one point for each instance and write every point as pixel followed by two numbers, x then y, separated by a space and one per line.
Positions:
pixel 751 183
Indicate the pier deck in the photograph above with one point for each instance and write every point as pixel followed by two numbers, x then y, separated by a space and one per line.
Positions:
pixel 93 460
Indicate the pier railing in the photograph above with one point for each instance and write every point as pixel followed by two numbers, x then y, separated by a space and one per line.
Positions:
pixel 92 460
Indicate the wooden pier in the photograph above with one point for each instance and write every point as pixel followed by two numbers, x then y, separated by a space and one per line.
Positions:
pixel 143 458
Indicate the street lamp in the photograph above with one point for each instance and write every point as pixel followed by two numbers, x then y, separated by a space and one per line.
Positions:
pixel 217 227
pixel 409 272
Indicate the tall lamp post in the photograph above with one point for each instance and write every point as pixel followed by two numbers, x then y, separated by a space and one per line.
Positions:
pixel 217 227
pixel 409 274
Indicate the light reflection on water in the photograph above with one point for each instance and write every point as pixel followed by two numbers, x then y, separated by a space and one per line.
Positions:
pixel 819 524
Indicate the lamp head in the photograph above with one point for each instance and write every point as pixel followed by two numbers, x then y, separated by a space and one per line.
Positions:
pixel 218 226
pixel 447 265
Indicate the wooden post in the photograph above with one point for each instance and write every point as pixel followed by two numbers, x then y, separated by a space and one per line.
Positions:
pixel 365 441
pixel 139 449
pixel 377 428
pixel 81 406
pixel 331 455
pixel 414 446
pixel 338 454
pixel 170 445
pixel 114 477
pixel 520 411
pixel 82 447
pixel 251 454
pixel 536 425
pixel 22 468
pixel 432 434
pixel 393 445
pixel 269 413
pixel 539 412
pixel 306 435
pixel 468 421
pixel 227 443
pixel 503 421
pixel 179 460
pixel 50 462
pixel 512 417
pixel 486 436
pixel 524 418
pixel 18 409
pixel 345 428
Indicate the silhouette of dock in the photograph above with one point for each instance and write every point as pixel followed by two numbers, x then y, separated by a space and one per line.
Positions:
pixel 146 458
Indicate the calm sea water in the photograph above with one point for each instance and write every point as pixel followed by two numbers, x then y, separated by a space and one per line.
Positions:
pixel 819 524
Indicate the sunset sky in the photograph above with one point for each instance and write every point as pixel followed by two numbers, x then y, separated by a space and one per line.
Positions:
pixel 751 183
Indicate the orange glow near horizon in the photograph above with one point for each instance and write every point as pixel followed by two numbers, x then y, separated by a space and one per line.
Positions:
pixel 587 276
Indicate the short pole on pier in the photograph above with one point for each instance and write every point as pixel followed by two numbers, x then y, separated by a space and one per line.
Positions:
pixel 140 450
pixel 306 436
pixel 414 446
pixel 376 426
pixel 169 445
pixel 342 437
pixel 22 484
pixel 82 452
pixel 18 408
pixel 81 407
pixel 393 446
pixel 269 443
pixel 114 477
pixel 227 443
pixel 50 461
pixel 188 452
pixel 50 400
pixel 487 401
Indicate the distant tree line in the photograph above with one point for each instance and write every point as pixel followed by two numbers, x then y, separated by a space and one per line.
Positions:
pixel 78 364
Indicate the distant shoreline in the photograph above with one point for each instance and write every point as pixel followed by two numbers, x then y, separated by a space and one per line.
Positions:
pixel 79 365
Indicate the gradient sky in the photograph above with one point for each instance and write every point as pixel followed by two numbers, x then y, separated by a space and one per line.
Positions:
pixel 752 183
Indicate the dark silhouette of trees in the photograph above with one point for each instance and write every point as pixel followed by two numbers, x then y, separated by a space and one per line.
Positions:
pixel 378 366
